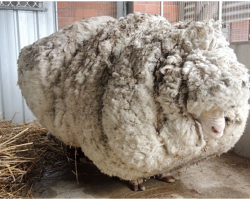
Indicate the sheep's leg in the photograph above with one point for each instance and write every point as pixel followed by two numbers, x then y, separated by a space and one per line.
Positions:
pixel 71 151
pixel 166 178
pixel 84 159
pixel 52 137
pixel 137 184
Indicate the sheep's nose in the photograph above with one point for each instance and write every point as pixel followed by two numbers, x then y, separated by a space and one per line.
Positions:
pixel 218 130
pixel 214 130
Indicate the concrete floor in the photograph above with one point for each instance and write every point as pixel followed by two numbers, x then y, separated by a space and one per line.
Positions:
pixel 227 176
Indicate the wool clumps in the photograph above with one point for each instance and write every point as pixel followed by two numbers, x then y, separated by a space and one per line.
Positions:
pixel 139 96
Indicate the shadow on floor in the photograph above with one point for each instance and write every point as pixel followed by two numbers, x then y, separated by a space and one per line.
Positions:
pixel 227 176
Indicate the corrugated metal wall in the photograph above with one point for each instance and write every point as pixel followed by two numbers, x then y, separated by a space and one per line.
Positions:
pixel 19 28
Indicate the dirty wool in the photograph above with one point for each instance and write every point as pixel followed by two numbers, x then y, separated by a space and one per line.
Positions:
pixel 139 96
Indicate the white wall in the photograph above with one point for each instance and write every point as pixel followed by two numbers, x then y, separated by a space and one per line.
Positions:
pixel 242 50
pixel 20 28
pixel 1 104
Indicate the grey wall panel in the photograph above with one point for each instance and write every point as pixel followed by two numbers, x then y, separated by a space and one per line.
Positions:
pixel 12 99
pixel 51 18
pixel 1 95
pixel 19 29
pixel 26 25
pixel 242 51
pixel 47 23
pixel 1 86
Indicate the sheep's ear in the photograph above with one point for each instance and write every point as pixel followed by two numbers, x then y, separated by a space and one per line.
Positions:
pixel 165 70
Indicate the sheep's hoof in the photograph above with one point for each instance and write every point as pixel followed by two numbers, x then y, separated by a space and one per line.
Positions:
pixel 167 178
pixel 137 184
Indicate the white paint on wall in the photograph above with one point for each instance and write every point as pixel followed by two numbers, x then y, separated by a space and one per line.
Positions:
pixel 18 29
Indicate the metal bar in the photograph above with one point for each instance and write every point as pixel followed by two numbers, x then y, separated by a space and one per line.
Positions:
pixel 220 11
pixel 120 9
pixel 181 11
pixel 56 16
pixel 230 36
pixel 162 8
pixel 37 23
pixel 130 7
pixel 236 4
pixel 191 5
pixel 237 19
pixel 22 8
pixel 18 50
pixel 236 12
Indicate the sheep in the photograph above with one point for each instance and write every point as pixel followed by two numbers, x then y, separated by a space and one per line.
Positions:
pixel 140 96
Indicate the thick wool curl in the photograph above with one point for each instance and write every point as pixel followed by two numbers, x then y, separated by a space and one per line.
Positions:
pixel 130 92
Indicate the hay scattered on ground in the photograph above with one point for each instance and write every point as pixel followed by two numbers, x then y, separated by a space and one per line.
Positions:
pixel 25 152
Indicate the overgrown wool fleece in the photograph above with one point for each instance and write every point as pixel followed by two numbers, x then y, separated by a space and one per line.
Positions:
pixel 129 91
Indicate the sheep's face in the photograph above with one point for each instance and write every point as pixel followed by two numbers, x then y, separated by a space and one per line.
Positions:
pixel 213 122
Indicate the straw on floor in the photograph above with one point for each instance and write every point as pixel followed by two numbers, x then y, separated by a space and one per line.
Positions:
pixel 25 152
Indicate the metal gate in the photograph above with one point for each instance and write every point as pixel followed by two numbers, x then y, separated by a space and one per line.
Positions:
pixel 21 23
pixel 235 16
